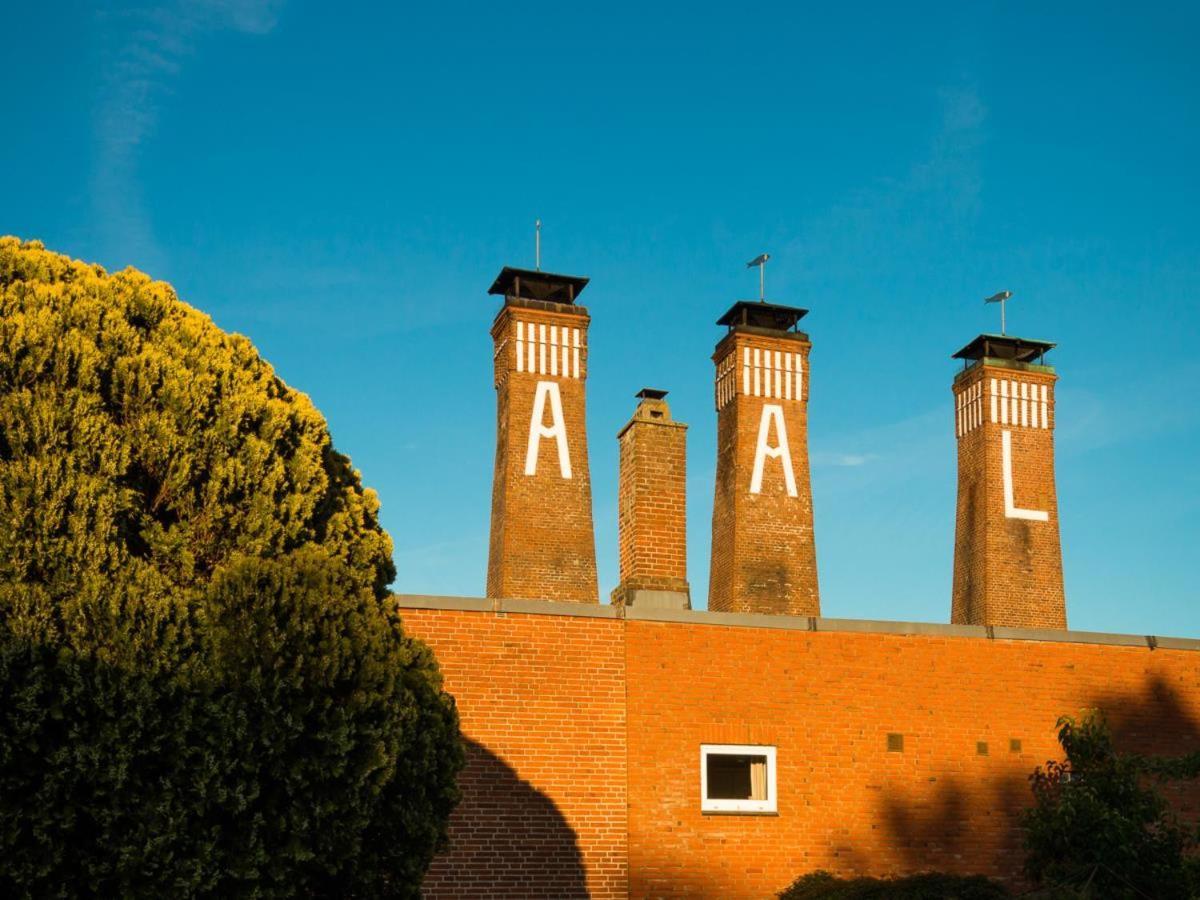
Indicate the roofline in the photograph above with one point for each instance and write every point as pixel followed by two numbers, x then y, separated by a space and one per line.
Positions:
pixel 788 623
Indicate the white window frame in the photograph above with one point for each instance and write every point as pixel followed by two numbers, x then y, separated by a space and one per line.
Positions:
pixel 770 805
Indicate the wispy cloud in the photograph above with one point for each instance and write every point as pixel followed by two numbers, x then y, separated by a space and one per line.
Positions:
pixel 842 460
pixel 147 49
pixel 861 460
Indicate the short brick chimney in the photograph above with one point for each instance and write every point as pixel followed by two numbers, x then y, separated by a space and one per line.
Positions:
pixel 763 556
pixel 542 543
pixel 652 508
pixel 1007 555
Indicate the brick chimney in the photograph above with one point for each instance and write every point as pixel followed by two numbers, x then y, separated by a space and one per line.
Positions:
pixel 1007 556
pixel 542 544
pixel 763 555
pixel 652 508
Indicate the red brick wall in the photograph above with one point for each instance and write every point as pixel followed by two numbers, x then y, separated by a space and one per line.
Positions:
pixel 542 704
pixel 828 701
pixel 591 712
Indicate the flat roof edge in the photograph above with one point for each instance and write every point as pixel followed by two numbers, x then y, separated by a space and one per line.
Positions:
pixel 788 623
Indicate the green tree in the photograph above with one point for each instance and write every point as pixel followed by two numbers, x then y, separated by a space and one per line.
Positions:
pixel 1100 828
pixel 203 687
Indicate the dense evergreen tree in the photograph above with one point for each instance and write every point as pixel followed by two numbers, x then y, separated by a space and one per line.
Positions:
pixel 203 688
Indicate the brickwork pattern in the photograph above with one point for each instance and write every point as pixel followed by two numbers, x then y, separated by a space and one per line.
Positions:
pixel 603 719
pixel 1007 569
pixel 652 502
pixel 828 701
pixel 542 543
pixel 764 557
pixel 542 705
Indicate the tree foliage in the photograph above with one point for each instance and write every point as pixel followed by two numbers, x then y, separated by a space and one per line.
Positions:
pixel 203 689
pixel 1100 828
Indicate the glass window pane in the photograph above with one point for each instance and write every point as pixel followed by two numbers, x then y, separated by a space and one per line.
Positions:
pixel 732 777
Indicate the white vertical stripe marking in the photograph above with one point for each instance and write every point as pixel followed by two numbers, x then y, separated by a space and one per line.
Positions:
pixel 520 346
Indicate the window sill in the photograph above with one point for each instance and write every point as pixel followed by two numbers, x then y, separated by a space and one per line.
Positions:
pixel 738 812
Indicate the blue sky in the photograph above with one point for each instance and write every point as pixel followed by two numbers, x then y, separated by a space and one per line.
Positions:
pixel 341 183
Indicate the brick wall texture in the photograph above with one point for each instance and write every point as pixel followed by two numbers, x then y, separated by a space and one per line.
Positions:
pixel 764 557
pixel 584 737
pixel 1007 565
pixel 542 544
pixel 652 502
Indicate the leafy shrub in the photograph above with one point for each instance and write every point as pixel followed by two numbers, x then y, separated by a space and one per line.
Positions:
pixel 1099 827
pixel 203 688
pixel 928 886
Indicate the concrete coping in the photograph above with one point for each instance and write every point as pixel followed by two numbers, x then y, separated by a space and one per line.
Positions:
pixel 788 623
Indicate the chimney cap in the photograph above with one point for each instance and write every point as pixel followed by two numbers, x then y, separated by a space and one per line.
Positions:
pixel 650 394
pixel 534 284
pixel 1004 346
pixel 763 315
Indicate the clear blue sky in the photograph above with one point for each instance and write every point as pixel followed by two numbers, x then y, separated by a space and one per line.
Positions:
pixel 341 182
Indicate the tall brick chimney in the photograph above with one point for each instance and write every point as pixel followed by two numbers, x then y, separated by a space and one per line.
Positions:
pixel 652 508
pixel 763 556
pixel 542 544
pixel 1007 556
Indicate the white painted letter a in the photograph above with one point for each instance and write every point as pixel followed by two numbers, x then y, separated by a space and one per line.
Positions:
pixel 557 429
pixel 772 411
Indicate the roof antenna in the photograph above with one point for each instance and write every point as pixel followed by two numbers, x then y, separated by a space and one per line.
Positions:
pixel 537 245
pixel 1000 298
pixel 761 262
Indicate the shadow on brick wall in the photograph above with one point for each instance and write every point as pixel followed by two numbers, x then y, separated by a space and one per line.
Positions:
pixel 1154 721
pixel 1157 721
pixel 507 839
pixel 970 824
pixel 961 825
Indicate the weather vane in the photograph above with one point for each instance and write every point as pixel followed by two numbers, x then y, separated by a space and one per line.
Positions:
pixel 537 245
pixel 761 262
pixel 1000 298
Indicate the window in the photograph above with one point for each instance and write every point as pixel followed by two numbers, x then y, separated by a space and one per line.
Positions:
pixel 736 778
